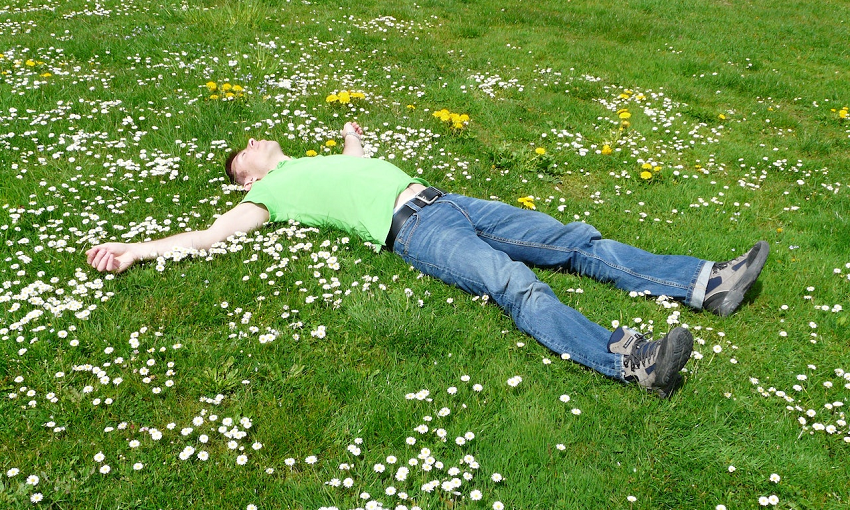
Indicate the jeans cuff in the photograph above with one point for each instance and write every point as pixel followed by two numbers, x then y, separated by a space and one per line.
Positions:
pixel 698 294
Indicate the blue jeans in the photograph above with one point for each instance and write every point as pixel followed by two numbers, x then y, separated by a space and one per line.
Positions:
pixel 485 247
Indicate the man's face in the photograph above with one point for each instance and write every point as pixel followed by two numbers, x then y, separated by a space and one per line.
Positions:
pixel 257 159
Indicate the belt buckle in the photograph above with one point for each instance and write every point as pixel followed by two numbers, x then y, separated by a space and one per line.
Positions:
pixel 429 201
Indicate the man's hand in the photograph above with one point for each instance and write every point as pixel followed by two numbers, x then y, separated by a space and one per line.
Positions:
pixel 351 127
pixel 112 257
pixel 353 145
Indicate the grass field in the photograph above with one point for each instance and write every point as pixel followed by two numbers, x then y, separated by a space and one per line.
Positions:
pixel 295 368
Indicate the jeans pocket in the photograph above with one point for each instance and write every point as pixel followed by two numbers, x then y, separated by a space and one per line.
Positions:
pixel 405 233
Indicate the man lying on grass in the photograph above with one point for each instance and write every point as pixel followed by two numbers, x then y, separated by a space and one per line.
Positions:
pixel 483 247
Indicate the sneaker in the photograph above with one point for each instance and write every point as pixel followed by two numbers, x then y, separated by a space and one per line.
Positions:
pixel 730 280
pixel 653 364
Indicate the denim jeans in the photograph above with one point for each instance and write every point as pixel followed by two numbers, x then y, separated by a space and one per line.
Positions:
pixel 486 247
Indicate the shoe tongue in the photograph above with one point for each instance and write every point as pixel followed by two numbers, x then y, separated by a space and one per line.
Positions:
pixel 644 351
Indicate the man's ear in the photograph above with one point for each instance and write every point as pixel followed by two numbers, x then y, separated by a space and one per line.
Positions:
pixel 247 186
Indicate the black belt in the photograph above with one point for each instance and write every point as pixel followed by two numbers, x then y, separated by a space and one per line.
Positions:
pixel 423 198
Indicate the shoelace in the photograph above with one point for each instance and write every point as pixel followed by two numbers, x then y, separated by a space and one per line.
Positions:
pixel 643 352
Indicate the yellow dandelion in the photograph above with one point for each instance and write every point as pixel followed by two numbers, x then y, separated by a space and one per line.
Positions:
pixel 411 107
pixel 330 143
pixel 215 97
pixel 457 125
pixel 311 153
pixel 625 124
pixel 624 114
pixel 30 63
pixel 656 169
pixel 527 202
pixel 211 86
pixel 226 87
pixel 229 95
pixel 46 75
pixel 332 98
pixel 237 88
pixel 540 151
pixel 344 97
pixel 443 115
pixel 607 150
pixel 646 166
pixel 646 175
pixel 358 95
pixel 843 113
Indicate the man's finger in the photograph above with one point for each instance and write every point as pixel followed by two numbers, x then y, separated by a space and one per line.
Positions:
pixel 96 257
pixel 92 253
pixel 103 261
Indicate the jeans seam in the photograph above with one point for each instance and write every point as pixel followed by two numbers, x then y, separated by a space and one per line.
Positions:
pixel 588 255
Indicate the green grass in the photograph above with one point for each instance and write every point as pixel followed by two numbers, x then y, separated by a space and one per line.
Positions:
pixel 113 87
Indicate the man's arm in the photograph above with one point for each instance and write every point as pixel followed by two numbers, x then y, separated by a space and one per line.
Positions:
pixel 353 145
pixel 118 257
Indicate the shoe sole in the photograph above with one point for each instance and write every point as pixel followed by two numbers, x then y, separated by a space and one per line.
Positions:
pixel 671 388
pixel 677 348
pixel 734 296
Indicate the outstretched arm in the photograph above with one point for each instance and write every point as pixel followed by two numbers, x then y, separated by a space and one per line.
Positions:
pixel 118 257
pixel 351 134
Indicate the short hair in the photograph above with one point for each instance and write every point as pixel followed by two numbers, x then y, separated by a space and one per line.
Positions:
pixel 228 166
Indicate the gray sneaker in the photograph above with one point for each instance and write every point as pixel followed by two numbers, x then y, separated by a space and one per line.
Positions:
pixel 653 364
pixel 730 280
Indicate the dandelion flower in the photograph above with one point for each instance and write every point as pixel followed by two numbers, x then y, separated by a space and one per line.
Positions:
pixel 527 202
pixel 540 151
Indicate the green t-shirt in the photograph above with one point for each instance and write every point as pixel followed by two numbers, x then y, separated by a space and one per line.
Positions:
pixel 346 192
